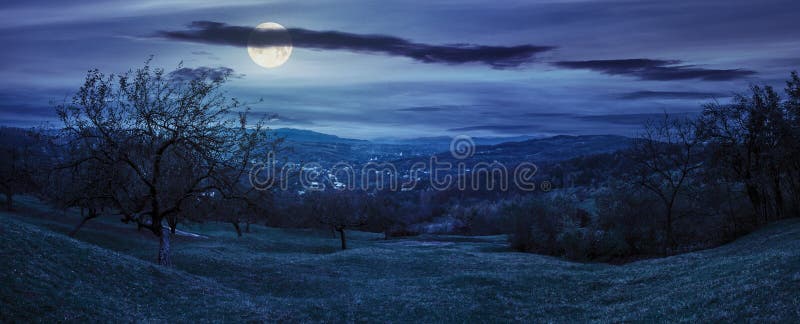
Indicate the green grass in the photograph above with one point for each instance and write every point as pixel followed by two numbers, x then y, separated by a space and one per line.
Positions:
pixel 106 274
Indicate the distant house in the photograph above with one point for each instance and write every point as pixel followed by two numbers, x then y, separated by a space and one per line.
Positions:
pixel 314 185
pixel 338 185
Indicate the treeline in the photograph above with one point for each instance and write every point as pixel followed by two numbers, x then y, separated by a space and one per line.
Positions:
pixel 686 184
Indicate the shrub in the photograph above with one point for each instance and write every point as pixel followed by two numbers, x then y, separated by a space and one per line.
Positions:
pixel 575 241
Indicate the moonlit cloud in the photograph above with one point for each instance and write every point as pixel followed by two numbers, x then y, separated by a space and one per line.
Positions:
pixel 204 72
pixel 210 32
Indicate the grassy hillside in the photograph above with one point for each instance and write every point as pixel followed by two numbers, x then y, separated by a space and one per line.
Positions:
pixel 298 275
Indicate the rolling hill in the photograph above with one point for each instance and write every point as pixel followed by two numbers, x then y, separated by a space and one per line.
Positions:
pixel 105 274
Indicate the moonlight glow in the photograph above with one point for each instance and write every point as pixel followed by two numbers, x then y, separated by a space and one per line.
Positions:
pixel 269 45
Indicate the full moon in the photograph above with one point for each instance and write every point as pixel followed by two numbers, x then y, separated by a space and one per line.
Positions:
pixel 269 45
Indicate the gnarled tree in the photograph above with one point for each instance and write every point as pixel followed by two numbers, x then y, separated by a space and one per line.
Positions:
pixel 165 143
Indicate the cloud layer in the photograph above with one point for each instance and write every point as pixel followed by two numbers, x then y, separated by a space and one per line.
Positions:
pixel 500 128
pixel 500 57
pixel 646 94
pixel 659 70
pixel 631 119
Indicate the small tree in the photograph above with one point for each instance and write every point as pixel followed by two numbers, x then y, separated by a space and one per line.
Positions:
pixel 21 159
pixel 667 155
pixel 340 210
pixel 164 142
pixel 85 186
pixel 248 207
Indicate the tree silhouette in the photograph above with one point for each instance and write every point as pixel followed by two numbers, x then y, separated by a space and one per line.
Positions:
pixel 164 143
pixel 667 155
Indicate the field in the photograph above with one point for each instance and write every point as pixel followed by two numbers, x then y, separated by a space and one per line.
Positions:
pixel 106 273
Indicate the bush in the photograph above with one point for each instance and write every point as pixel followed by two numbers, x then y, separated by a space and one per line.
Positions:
pixel 610 245
pixel 556 226
pixel 575 242
pixel 536 223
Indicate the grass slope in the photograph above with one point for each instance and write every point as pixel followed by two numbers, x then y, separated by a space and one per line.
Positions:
pixel 298 275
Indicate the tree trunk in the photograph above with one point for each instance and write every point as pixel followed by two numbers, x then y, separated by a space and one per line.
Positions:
pixel 794 192
pixel 344 240
pixel 755 200
pixel 164 248
pixel 765 205
pixel 238 229
pixel 669 246
pixel 776 183
pixel 247 227
pixel 670 241
pixel 83 221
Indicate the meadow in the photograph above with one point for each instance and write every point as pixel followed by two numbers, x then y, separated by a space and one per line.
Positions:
pixel 107 273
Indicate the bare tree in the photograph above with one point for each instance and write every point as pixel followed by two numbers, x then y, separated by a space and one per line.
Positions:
pixel 163 142
pixel 667 155
pixel 249 206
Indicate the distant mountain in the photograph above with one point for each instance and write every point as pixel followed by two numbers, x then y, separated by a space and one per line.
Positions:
pixel 443 142
pixel 432 143
pixel 304 135
pixel 311 146
pixel 557 148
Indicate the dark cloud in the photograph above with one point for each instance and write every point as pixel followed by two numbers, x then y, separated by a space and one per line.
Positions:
pixel 292 120
pixel 544 114
pixel 658 70
pixel 26 110
pixel 422 109
pixel 209 32
pixel 24 104
pixel 498 128
pixel 792 63
pixel 630 119
pixel 26 115
pixel 434 108
pixel 672 95
pixel 204 72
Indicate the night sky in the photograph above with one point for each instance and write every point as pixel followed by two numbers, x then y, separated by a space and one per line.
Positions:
pixel 369 69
